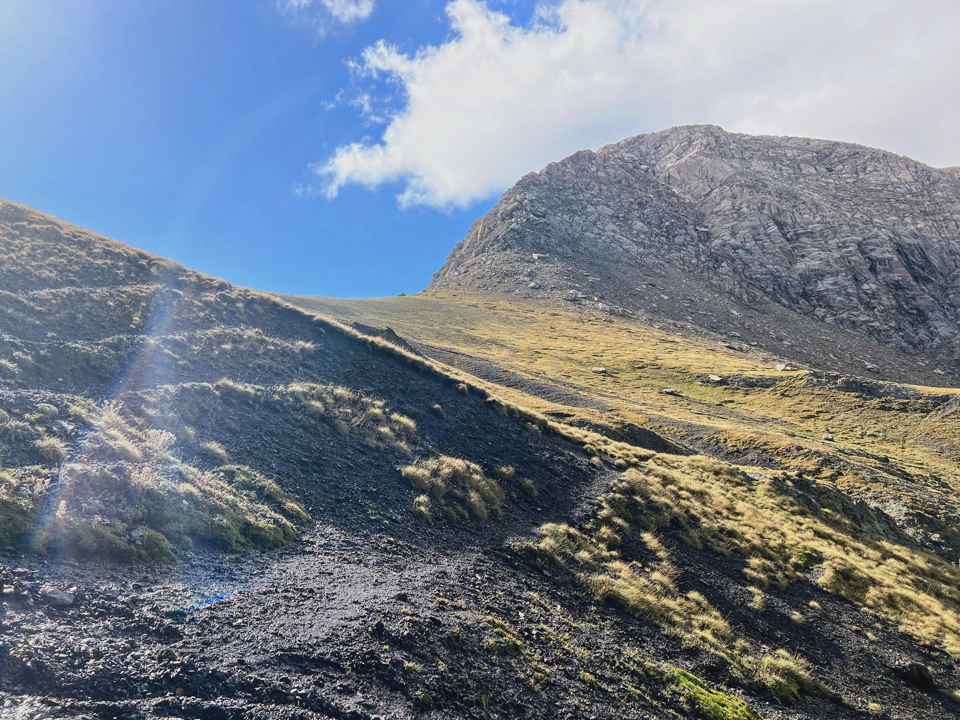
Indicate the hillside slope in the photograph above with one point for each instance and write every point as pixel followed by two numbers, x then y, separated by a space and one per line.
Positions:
pixel 896 448
pixel 830 253
pixel 219 505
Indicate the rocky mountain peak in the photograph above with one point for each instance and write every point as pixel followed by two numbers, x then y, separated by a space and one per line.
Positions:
pixel 836 245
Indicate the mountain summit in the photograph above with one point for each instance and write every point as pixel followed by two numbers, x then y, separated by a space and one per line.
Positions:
pixel 816 249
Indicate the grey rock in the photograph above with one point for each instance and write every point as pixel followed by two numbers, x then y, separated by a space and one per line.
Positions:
pixel 834 248
pixel 917 675
pixel 56 597
pixel 137 534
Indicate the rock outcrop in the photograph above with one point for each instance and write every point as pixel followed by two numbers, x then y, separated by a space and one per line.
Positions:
pixel 823 251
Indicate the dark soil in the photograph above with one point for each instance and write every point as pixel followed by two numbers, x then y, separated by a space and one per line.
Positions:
pixel 367 625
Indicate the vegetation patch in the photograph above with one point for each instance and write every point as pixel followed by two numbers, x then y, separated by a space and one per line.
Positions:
pixel 458 486
pixel 352 412
pixel 112 486
pixel 894 444
pixel 712 505
pixel 787 528
pixel 711 703
pixel 21 493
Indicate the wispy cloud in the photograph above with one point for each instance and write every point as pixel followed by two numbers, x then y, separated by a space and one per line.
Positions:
pixel 331 104
pixel 320 15
pixel 349 11
pixel 499 99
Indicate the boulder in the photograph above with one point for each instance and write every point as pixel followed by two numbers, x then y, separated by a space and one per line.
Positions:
pixel 917 675
pixel 56 597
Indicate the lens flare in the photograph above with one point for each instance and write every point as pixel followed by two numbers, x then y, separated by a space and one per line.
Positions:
pixel 137 367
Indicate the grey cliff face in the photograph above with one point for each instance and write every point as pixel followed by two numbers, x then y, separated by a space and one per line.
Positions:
pixel 833 236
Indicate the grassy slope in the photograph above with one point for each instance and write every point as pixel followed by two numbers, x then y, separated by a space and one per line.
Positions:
pixel 797 508
pixel 896 447
pixel 146 409
pixel 144 406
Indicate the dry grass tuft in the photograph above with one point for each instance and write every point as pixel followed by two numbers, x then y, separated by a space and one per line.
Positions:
pixel 113 486
pixel 716 506
pixel 352 412
pixel 457 485
pixel 423 509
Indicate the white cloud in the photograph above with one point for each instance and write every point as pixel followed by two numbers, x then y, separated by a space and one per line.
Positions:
pixel 348 11
pixel 497 99
pixel 319 15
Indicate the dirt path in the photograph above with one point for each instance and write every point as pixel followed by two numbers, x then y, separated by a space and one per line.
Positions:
pixel 218 630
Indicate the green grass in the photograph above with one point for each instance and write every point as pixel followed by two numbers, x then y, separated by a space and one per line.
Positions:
pixel 712 704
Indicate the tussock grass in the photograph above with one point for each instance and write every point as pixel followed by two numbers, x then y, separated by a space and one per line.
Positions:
pixel 21 494
pixel 52 449
pixel 787 676
pixel 423 509
pixel 782 534
pixel 502 400
pixel 649 591
pixel 112 486
pixel 784 538
pixel 894 444
pixel 117 484
pixel 215 451
pixel 352 412
pixel 459 486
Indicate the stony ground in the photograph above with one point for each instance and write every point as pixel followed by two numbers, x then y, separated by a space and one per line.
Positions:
pixel 369 626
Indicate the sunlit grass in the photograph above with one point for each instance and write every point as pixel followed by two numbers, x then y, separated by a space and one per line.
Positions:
pixel 897 442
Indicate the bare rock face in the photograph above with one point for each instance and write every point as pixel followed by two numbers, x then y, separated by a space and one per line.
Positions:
pixel 823 251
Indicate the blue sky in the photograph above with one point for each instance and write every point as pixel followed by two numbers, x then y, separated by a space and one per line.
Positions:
pixel 342 147
pixel 183 128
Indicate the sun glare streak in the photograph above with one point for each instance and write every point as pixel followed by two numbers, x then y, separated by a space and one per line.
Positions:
pixel 132 373
pixel 297 568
